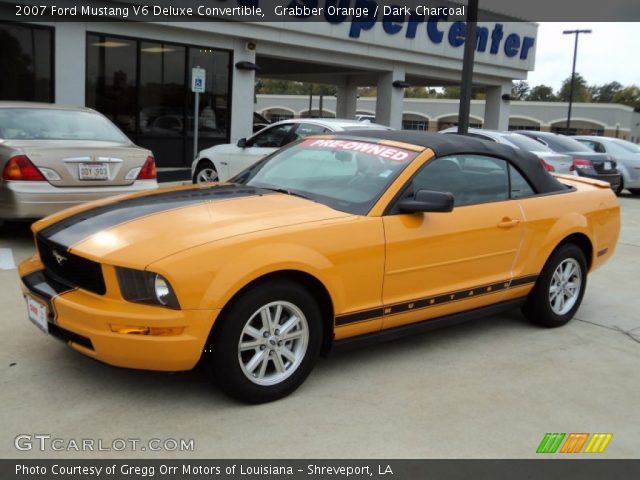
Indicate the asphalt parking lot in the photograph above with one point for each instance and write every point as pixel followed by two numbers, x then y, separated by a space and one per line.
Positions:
pixel 486 389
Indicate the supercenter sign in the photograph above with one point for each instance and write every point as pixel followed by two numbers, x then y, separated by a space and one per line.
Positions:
pixel 435 23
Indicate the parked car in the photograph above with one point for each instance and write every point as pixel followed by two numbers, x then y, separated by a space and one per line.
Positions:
pixel 53 157
pixel 586 162
pixel 221 162
pixel 365 117
pixel 334 240
pixel 626 154
pixel 551 161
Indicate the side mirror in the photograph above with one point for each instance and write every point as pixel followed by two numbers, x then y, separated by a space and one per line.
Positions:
pixel 242 143
pixel 427 201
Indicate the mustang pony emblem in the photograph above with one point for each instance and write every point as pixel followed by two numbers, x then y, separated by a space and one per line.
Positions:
pixel 59 257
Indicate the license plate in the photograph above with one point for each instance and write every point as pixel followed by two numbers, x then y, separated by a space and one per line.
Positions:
pixel 607 165
pixel 38 313
pixel 93 171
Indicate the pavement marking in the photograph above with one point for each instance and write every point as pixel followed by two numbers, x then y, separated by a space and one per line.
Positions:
pixel 6 259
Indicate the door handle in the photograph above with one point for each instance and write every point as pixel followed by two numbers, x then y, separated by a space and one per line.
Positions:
pixel 507 222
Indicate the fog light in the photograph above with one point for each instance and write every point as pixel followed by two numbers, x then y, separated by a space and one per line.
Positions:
pixel 152 331
pixel 130 330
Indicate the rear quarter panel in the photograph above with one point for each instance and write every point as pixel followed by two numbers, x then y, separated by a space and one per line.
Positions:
pixel 590 208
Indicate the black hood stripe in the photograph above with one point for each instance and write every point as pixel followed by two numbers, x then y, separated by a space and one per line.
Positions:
pixel 76 228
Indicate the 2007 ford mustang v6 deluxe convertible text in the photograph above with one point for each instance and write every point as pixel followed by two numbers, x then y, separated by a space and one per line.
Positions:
pixel 335 239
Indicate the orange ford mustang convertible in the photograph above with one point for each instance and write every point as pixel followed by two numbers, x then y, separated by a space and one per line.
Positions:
pixel 331 241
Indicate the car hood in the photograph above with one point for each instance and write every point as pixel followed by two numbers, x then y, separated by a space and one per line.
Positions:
pixel 220 149
pixel 138 230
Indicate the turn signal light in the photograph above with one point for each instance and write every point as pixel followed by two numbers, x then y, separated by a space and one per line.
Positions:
pixel 548 167
pixel 148 171
pixel 579 163
pixel 153 331
pixel 21 168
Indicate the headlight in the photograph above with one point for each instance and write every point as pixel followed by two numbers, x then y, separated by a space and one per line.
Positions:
pixel 146 287
pixel 163 290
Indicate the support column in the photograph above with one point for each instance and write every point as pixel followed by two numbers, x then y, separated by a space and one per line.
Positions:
pixel 242 93
pixel 70 71
pixel 390 99
pixel 347 99
pixel 496 110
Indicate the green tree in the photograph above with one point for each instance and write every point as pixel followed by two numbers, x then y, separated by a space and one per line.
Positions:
pixel 581 91
pixel 288 87
pixel 605 93
pixel 519 90
pixel 628 96
pixel 541 93
pixel 453 92
pixel 418 92
pixel 367 91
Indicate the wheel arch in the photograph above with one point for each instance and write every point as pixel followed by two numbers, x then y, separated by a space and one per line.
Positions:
pixel 311 283
pixel 582 241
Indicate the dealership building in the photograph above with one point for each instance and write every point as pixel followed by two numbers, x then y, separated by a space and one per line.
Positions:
pixel 138 74
pixel 431 114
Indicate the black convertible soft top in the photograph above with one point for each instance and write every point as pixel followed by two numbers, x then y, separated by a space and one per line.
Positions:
pixel 527 163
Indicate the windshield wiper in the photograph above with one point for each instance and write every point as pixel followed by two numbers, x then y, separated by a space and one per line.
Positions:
pixel 288 192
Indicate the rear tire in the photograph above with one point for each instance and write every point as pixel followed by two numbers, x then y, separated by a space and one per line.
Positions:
pixel 620 188
pixel 267 342
pixel 558 292
pixel 634 191
pixel 205 172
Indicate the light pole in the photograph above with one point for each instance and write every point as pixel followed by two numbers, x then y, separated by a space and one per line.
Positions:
pixel 573 72
pixel 467 67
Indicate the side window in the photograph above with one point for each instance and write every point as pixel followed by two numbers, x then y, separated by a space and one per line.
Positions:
pixel 520 187
pixel 272 137
pixel 595 146
pixel 470 178
pixel 306 129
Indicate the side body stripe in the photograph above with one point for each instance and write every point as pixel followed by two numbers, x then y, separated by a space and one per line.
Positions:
pixel 422 303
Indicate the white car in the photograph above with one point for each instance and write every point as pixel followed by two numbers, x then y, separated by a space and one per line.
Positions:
pixel 221 162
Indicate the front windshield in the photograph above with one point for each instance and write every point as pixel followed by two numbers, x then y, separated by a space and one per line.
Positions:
pixel 54 124
pixel 346 175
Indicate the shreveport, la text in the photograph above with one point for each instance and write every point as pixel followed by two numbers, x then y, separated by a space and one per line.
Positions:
pixel 209 470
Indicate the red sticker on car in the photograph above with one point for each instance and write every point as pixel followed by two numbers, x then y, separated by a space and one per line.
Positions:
pixel 392 153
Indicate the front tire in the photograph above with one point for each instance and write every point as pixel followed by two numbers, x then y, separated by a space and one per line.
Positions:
pixel 205 172
pixel 267 342
pixel 558 292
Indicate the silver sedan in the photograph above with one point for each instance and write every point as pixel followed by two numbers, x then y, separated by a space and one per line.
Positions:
pixel 53 157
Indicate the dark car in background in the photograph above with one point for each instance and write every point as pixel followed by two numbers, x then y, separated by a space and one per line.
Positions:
pixel 586 162
pixel 627 155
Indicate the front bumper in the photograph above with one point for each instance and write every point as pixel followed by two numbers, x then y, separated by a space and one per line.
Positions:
pixel 613 179
pixel 38 199
pixel 84 321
